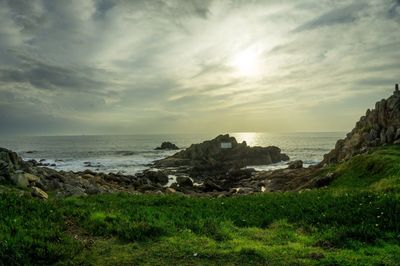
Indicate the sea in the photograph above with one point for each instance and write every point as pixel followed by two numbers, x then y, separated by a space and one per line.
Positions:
pixel 130 154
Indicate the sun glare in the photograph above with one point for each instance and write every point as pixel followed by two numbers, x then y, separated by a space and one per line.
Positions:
pixel 247 62
pixel 249 137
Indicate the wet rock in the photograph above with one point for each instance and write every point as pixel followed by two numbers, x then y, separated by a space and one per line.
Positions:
pixel 184 181
pixel 37 192
pixel 155 176
pixel 166 145
pixel 211 185
pixel 295 164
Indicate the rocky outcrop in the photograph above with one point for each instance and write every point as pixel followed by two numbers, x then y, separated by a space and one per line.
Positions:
pixel 154 176
pixel 166 145
pixel 220 155
pixel 295 164
pixel 41 180
pixel 379 126
pixel 10 162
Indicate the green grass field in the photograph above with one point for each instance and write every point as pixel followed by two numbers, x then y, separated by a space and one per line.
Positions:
pixel 356 221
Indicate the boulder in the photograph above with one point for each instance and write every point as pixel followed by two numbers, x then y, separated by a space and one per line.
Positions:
pixel 170 191
pixel 320 181
pixel 211 185
pixel 184 181
pixel 147 187
pixel 20 179
pixel 31 178
pixel 9 163
pixel 92 190
pixel 295 164
pixel 70 190
pixel 37 192
pixel 154 176
pixel 240 173
pixel 166 145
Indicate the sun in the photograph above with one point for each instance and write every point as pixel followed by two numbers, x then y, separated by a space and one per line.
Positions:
pixel 247 62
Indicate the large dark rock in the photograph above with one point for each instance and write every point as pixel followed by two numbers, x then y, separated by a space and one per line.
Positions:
pixel 221 154
pixel 295 164
pixel 9 163
pixel 166 145
pixel 379 126
pixel 184 181
pixel 154 176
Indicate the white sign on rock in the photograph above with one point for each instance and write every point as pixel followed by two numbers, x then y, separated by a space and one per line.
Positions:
pixel 226 145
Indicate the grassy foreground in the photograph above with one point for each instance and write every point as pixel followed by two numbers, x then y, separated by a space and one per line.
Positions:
pixel 356 221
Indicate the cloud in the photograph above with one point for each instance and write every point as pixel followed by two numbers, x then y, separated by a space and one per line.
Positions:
pixel 342 15
pixel 119 66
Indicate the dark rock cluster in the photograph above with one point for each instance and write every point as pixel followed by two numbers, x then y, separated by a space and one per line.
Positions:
pixel 219 155
pixel 379 126
pixel 166 145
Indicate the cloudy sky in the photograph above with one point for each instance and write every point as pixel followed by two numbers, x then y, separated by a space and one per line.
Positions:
pixel 170 66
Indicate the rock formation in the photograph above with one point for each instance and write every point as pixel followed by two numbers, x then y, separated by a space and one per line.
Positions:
pixel 221 154
pixel 166 145
pixel 379 126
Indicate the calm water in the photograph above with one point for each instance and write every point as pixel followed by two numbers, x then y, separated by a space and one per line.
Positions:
pixel 130 154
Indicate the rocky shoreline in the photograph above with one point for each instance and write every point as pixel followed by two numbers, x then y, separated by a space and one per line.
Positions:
pixel 202 169
pixel 213 168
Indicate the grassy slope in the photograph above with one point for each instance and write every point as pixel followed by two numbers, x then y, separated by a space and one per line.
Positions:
pixel 354 222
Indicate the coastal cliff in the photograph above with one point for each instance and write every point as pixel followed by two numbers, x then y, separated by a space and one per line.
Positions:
pixel 379 126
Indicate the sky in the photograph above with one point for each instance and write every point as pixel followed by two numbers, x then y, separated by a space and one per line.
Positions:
pixel 168 66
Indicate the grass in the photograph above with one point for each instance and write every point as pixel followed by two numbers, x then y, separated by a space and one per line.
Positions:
pixel 379 170
pixel 355 221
